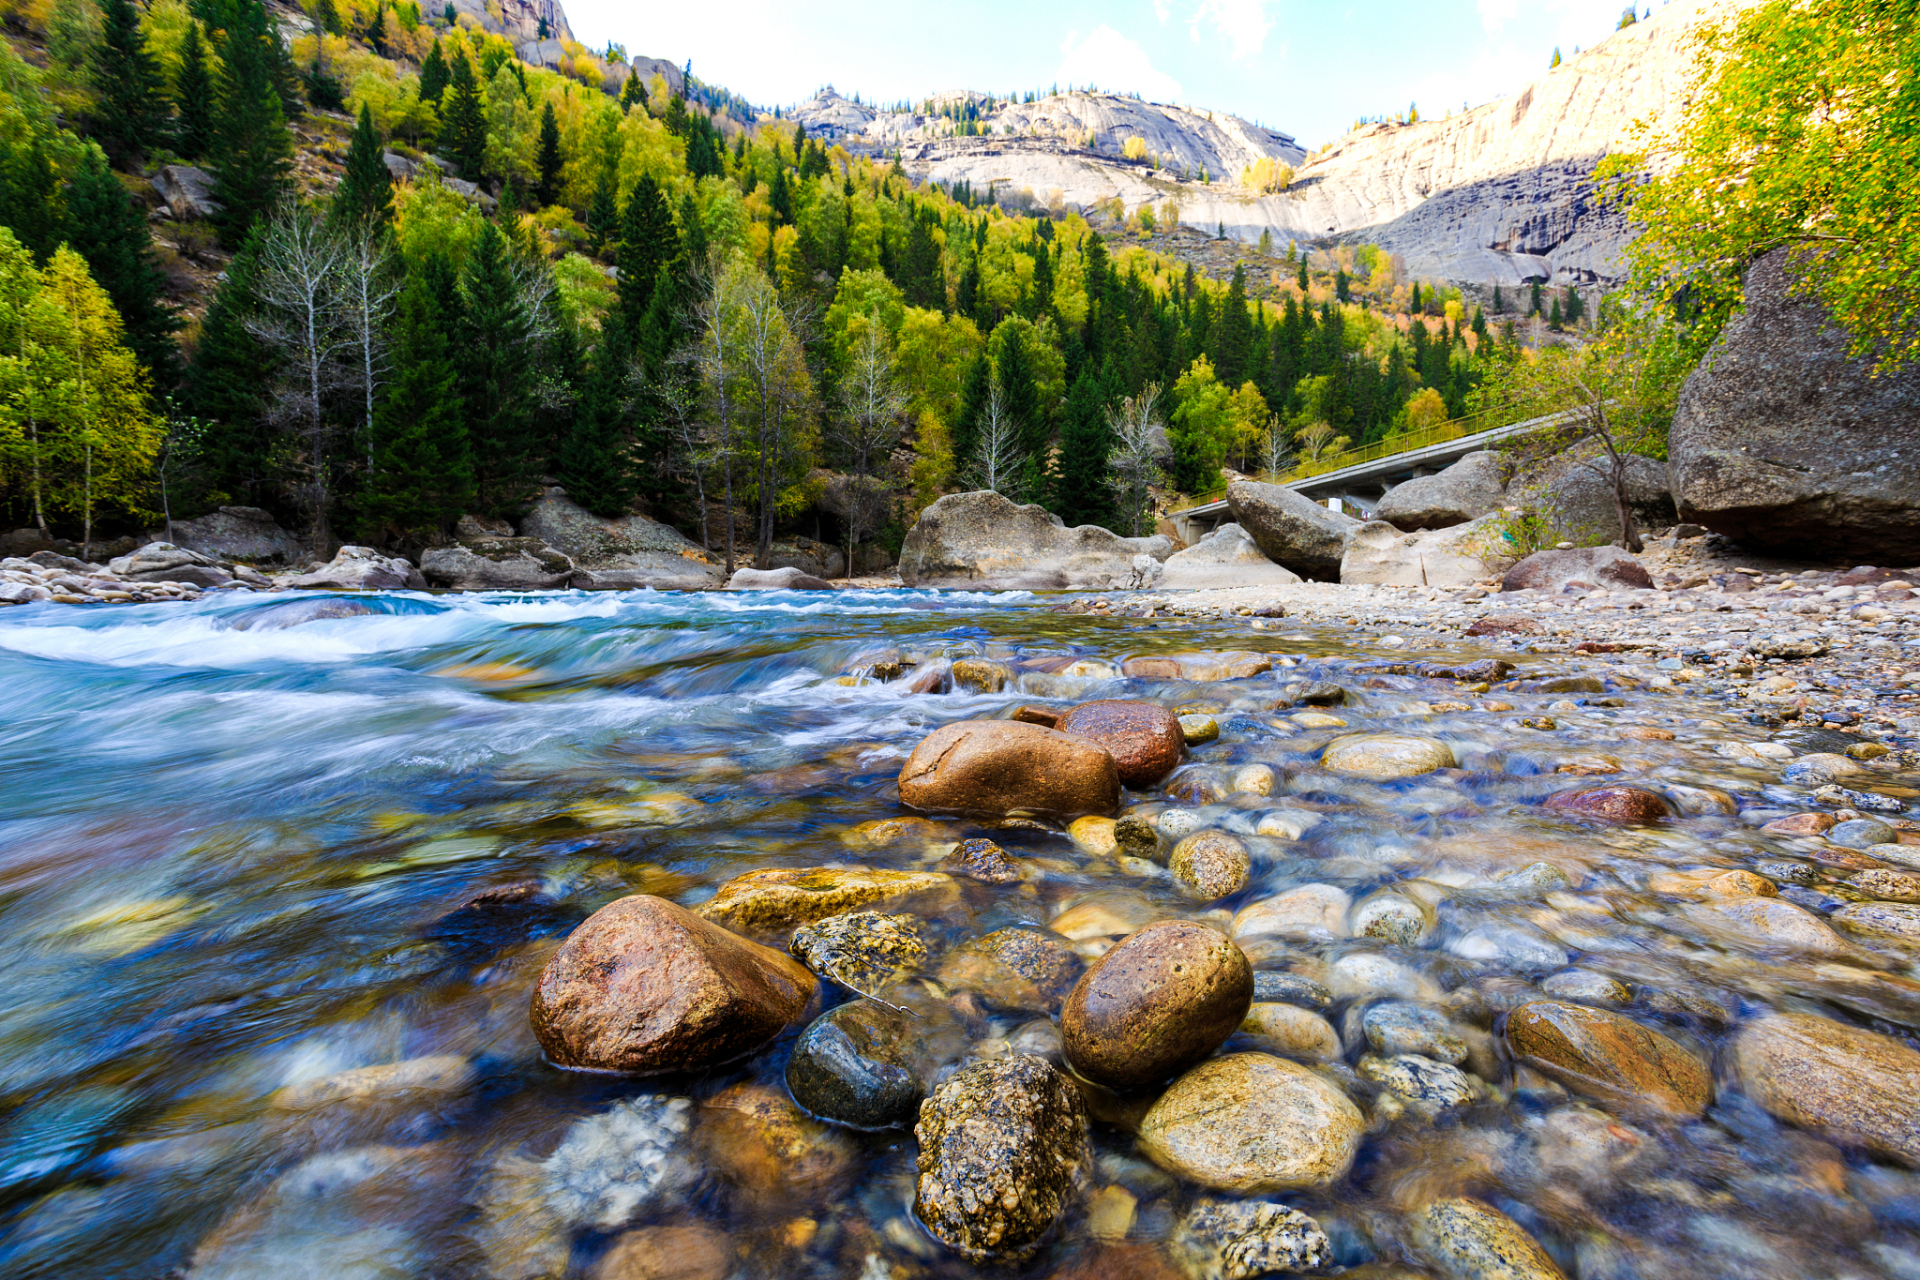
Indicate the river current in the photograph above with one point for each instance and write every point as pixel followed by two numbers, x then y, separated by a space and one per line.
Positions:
pixel 242 845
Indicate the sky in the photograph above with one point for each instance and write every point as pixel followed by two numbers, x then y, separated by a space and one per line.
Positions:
pixel 1305 67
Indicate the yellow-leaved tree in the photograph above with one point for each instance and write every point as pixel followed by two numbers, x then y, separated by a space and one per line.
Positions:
pixel 94 432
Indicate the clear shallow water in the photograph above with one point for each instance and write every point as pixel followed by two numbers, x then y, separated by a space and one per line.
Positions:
pixel 236 844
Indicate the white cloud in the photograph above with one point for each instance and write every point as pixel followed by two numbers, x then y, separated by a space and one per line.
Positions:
pixel 1243 22
pixel 1495 14
pixel 1106 58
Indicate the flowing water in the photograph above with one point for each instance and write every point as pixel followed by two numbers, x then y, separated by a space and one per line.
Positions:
pixel 242 844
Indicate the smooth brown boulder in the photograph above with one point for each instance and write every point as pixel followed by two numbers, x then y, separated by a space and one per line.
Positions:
pixel 1160 1001
pixel 998 766
pixel 1627 806
pixel 1608 1057
pixel 1856 1087
pixel 668 1253
pixel 644 986
pixel 1144 739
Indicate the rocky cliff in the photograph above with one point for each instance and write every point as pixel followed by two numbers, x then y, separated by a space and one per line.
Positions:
pixel 1499 193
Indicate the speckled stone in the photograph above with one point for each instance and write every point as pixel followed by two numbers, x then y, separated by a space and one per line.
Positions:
pixel 1622 806
pixel 1251 1122
pixel 1394 1027
pixel 1420 1080
pixel 1003 1148
pixel 1159 1001
pixel 1467 1240
pixel 1242 1239
pixel 1293 1032
pixel 981 859
pixel 780 899
pixel 1210 865
pixel 1026 969
pixel 863 951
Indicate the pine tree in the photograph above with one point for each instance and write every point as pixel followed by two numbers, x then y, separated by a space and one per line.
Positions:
pixel 32 199
pixel 496 373
pixel 227 381
pixel 365 193
pixel 1021 394
pixel 463 130
pixel 973 406
pixel 1553 320
pixel 377 29
pixel 252 152
pixel 1082 492
pixel 550 160
pixel 1533 305
pixel 434 75
pixel 193 95
pixel 1232 336
pixel 422 472
pixel 132 114
pixel 648 242
pixel 633 94
pixel 1576 306
pixel 595 463
pixel 1499 303
pixel 1302 278
pixel 109 230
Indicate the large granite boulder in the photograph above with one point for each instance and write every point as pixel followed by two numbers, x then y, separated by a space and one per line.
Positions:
pixel 815 559
pixel 985 541
pixel 1580 506
pixel 188 192
pixel 497 564
pixel 1292 530
pixel 787 579
pixel 1380 554
pixel 1472 487
pixel 1785 442
pixel 164 562
pixel 622 554
pixel 236 533
pixel 1577 568
pixel 360 569
pixel 1227 557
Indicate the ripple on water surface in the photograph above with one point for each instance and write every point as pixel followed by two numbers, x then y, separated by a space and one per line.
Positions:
pixel 279 875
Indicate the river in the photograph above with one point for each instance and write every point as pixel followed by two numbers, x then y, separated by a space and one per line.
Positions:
pixel 247 850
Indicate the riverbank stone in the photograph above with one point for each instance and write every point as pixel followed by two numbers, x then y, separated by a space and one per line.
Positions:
pixel 1467 1240
pixel 1242 1239
pixel 1159 1001
pixel 1022 968
pixel 981 859
pixel 1210 865
pixel 769 1150
pixel 1144 738
pixel 644 986
pixel 1623 806
pixel 1382 757
pixel 1003 1149
pixel 1395 1027
pixel 1249 1123
pixel 866 1064
pixel 1850 1085
pixel 1292 1032
pixel 863 951
pixel 778 900
pixel 1609 1057
pixel 999 766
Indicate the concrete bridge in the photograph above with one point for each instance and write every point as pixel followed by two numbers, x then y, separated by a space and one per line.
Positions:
pixel 1359 488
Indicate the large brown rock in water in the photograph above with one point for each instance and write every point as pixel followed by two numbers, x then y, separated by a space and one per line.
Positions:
pixel 1164 998
pixel 645 986
pixel 1608 1057
pixel 1852 1085
pixel 1143 737
pixel 998 766
pixel 1783 441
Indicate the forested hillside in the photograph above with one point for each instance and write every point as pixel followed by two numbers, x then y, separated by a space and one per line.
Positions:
pixel 438 277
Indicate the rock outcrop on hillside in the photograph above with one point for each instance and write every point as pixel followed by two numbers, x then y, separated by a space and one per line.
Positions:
pixel 517 20
pixel 984 541
pixel 1783 442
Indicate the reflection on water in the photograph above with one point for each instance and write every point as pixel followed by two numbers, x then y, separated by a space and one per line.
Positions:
pixel 276 879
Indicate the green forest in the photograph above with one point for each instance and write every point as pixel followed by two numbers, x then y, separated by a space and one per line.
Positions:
pixel 652 300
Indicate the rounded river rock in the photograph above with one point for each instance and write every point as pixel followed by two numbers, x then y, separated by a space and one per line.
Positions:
pixel 1161 1000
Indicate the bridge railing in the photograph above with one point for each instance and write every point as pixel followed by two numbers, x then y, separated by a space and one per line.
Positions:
pixel 1439 433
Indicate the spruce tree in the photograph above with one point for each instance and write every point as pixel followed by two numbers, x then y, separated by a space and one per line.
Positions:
pixel 550 161
pixel 1499 303
pixel 32 199
pixel 422 474
pixel 365 193
pixel 1302 278
pixel 131 118
pixel 193 96
pixel 109 230
pixel 496 373
pixel 252 152
pixel 973 406
pixel 648 242
pixel 226 384
pixel 434 74
pixel 633 94
pixel 1232 336
pixel 463 128
pixel 1082 494
pixel 1553 320
pixel 1020 394
pixel 595 464
pixel 1533 304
